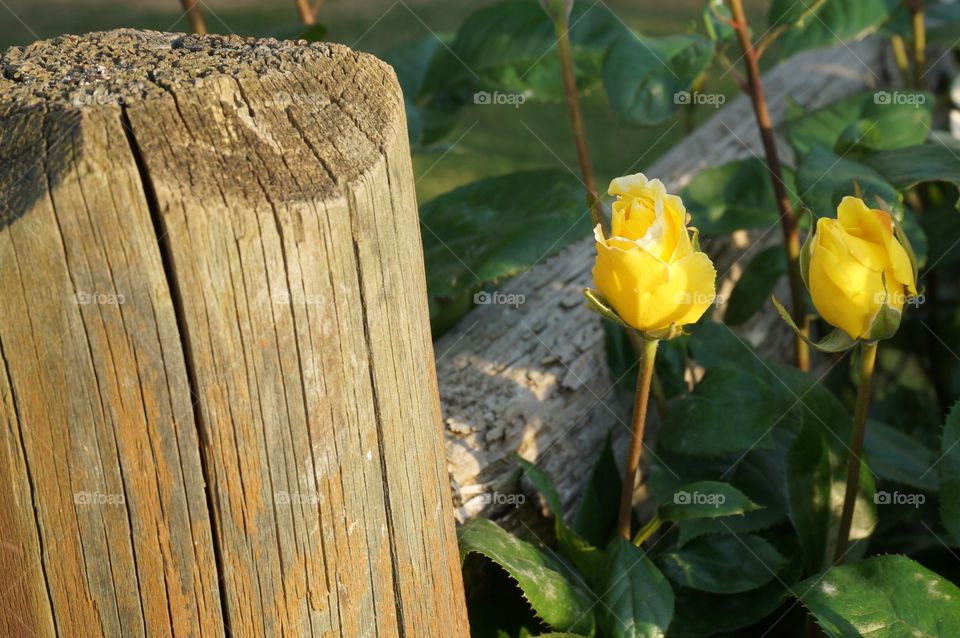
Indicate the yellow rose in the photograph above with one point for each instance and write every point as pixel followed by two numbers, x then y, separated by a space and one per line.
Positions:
pixel 858 272
pixel 648 269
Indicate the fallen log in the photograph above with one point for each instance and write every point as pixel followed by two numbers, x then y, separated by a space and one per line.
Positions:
pixel 532 380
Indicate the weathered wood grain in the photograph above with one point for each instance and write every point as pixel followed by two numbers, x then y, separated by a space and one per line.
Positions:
pixel 533 379
pixel 256 382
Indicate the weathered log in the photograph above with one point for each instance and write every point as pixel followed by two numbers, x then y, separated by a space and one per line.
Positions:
pixel 533 380
pixel 219 410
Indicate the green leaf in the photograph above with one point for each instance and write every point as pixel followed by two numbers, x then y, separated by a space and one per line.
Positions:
pixel 511 47
pixel 729 410
pixel 943 22
pixel 949 470
pixel 705 499
pixel 596 516
pixel 314 33
pixel 560 604
pixel 836 341
pixel 916 236
pixel 723 564
pixel 727 613
pixel 429 118
pixel 297 31
pixel 824 179
pixel 759 475
pixel 643 75
pixel 496 227
pixel 715 21
pixel 543 485
pixel 882 597
pixel 755 285
pixel 637 600
pixel 814 24
pixel 816 476
pixel 906 167
pixel 863 121
pixel 587 559
pixel 896 456
pixel 733 196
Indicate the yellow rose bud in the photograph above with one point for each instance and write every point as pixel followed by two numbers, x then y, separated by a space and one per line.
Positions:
pixel 858 271
pixel 648 269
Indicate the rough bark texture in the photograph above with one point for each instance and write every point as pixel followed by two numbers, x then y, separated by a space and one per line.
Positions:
pixel 218 409
pixel 533 380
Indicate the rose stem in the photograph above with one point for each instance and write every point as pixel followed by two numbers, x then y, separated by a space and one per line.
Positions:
pixel 195 16
pixel 641 400
pixel 868 357
pixel 561 26
pixel 656 387
pixel 306 13
pixel 791 235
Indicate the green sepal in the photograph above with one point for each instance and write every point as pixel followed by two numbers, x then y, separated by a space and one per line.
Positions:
pixel 901 236
pixel 836 341
pixel 887 320
pixel 598 303
pixel 695 238
pixel 807 248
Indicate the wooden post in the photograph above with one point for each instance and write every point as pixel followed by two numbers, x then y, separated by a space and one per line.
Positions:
pixel 218 404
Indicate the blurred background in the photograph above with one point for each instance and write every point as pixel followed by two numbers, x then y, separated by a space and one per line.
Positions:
pixel 489 140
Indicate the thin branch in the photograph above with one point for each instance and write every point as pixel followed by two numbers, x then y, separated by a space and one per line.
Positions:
pixel 192 10
pixel 788 224
pixel 306 13
pixel 576 119
pixel 771 36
